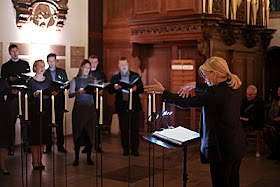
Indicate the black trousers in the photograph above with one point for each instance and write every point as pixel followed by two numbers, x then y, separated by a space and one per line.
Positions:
pixel 59 130
pixel 124 127
pixel 13 113
pixel 225 174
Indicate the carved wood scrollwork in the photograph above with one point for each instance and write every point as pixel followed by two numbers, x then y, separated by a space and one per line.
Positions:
pixel 229 34
pixel 43 13
pixel 182 28
pixel 266 37
pixel 241 11
pixel 250 37
pixel 203 48
pixel 218 7
pixel 208 29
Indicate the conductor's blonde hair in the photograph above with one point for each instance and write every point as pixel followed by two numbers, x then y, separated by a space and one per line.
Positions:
pixel 219 65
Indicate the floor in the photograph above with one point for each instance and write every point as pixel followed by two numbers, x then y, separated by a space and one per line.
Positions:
pixel 255 172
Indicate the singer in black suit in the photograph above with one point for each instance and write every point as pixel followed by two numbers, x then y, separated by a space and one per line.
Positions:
pixel 5 128
pixel 12 71
pixel 57 74
pixel 122 106
pixel 222 138
pixel 98 77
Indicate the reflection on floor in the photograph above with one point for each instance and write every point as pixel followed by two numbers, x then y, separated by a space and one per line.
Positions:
pixel 255 172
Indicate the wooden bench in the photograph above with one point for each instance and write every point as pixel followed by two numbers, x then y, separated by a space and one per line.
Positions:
pixel 256 135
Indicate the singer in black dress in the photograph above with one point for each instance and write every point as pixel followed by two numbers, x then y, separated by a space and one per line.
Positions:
pixel 38 131
pixel 84 115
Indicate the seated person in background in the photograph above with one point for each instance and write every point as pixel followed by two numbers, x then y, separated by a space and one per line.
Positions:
pixel 252 110
pixel 272 128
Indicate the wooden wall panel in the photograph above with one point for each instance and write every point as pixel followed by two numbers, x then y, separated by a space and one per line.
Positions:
pixel 77 55
pixel 146 6
pixel 61 63
pixel 117 12
pixel 238 68
pixel 59 50
pixel 159 8
pixel 179 5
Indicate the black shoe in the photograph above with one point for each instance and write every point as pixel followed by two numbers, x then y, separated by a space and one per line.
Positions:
pixel 27 150
pixel 42 167
pixel 99 150
pixel 6 173
pixel 76 162
pixel 11 152
pixel 84 150
pixel 90 162
pixel 47 150
pixel 62 150
pixel 36 167
pixel 125 153
pixel 135 153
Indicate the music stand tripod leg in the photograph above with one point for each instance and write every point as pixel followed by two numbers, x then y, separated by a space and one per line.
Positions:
pixel 185 175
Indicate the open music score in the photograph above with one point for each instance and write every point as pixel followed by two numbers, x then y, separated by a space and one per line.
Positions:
pixel 178 135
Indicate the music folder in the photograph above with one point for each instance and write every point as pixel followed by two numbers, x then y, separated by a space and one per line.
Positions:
pixel 56 86
pixel 127 85
pixel 91 88
pixel 18 87
pixel 178 135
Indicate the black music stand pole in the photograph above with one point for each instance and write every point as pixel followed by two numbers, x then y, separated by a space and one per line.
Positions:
pixel 185 175
pixel 151 128
pixel 65 144
pixel 96 145
pixel 53 125
pixel 101 153
pixel 130 111
pixel 41 140
pixel 27 123
pixel 21 149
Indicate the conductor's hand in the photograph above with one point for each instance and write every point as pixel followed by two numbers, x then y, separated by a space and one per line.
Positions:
pixel 117 87
pixel 184 90
pixel 81 90
pixel 155 88
pixel 134 88
pixel 54 93
pixel 36 93
pixel 14 91
pixel 244 119
pixel 12 78
pixel 100 92
pixel 277 119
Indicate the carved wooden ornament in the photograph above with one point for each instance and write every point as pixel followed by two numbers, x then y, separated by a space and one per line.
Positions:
pixel 42 13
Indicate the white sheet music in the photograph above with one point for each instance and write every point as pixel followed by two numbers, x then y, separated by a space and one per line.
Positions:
pixel 177 135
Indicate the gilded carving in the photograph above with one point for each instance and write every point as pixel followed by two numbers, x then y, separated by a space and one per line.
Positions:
pixel 43 13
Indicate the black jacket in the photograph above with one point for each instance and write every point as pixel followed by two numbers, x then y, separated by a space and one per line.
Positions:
pixel 120 105
pixel 254 111
pixel 59 76
pixel 222 136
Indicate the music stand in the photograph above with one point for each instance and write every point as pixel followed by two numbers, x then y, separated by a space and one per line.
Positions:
pixel 168 145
